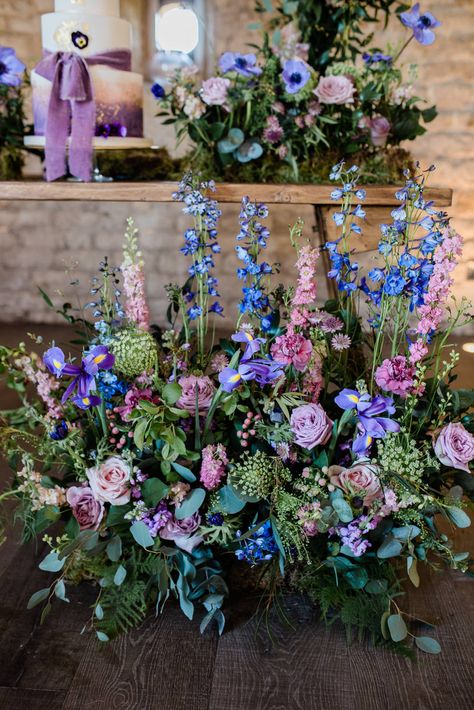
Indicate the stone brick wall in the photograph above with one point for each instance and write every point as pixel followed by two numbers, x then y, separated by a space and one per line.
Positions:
pixel 53 244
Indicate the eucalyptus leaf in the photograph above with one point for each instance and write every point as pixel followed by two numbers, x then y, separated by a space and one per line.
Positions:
pixel 376 586
pixel 229 501
pixel 397 627
pixel 343 509
pixel 458 517
pixel 38 597
pixel 412 571
pixel 427 644
pixel 191 504
pixel 184 472
pixel 154 490
pixel 406 532
pixel 389 548
pixel 99 612
pixel 120 575
pixel 52 563
pixel 141 534
pixel 357 577
pixel 114 549
pixel 60 590
pixel 102 637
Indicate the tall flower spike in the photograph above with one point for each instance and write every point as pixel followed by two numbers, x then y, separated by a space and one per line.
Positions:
pixel 136 307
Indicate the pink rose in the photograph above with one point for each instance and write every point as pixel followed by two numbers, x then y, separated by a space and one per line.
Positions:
pixel 205 392
pixel 379 130
pixel 86 509
pixel 180 532
pixel 335 90
pixel 292 349
pixel 214 91
pixel 311 425
pixel 455 446
pixel 359 480
pixel 110 482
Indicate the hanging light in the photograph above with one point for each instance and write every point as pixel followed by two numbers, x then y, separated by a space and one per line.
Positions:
pixel 176 28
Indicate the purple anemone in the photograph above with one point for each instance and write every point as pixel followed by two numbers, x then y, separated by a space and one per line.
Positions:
pixel 421 24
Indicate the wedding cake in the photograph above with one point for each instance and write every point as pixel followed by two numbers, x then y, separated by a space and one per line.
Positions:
pixel 84 85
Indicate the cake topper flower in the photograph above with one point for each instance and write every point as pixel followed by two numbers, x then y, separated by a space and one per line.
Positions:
pixel 79 40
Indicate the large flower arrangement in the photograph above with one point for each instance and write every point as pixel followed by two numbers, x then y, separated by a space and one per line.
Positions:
pixel 319 448
pixel 288 111
pixel 11 114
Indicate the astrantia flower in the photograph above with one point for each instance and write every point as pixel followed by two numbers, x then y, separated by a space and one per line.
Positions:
pixel 341 342
pixel 11 68
pixel 244 64
pixel 295 75
pixel 421 24
pixel 273 132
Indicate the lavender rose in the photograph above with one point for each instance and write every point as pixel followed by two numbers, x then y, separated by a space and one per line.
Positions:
pixel 379 130
pixel 86 509
pixel 181 532
pixel 311 425
pixel 214 91
pixel 359 480
pixel 335 90
pixel 205 392
pixel 455 446
pixel 110 482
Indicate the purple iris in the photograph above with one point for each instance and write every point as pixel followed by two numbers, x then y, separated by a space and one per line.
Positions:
pixel 244 64
pixel 370 425
pixel 262 371
pixel 11 68
pixel 83 375
pixel 422 25
pixel 252 344
pixel 295 75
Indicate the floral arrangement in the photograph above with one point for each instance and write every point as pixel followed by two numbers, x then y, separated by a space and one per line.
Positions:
pixel 11 114
pixel 321 447
pixel 300 102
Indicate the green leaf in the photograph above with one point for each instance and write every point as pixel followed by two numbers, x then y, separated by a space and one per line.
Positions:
pixel 406 532
pixel 343 509
pixel 389 548
pixel 427 644
pixel 38 597
pixel 458 517
pixel 114 549
pixel 141 534
pixel 52 563
pixel 117 513
pixel 357 578
pixel 60 590
pixel 376 586
pixel 153 491
pixel 397 627
pixel 383 625
pixel 412 571
pixel 184 472
pixel 140 433
pixel 171 393
pixel 102 637
pixel 46 298
pixel 228 500
pixel 191 504
pixel 119 576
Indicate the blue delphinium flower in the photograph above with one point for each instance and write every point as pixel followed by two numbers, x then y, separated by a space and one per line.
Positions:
pixel 60 431
pixel 295 75
pixel 421 24
pixel 200 242
pixel 11 69
pixel 243 64
pixel 254 236
pixel 260 547
pixel 109 385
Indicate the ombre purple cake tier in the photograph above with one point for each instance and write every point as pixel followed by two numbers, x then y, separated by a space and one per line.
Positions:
pixel 118 97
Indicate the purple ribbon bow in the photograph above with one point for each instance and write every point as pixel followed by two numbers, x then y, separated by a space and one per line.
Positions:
pixel 72 110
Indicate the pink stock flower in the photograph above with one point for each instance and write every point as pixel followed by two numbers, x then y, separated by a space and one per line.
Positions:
pixel 87 510
pixel 136 307
pixel 335 90
pixel 193 386
pixel 396 375
pixel 310 425
pixel 455 446
pixel 36 373
pixel 214 91
pixel 292 349
pixel 313 381
pixel 305 293
pixel 110 481
pixel 418 350
pixel 214 461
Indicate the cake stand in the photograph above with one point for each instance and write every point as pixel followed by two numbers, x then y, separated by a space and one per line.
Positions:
pixel 98 144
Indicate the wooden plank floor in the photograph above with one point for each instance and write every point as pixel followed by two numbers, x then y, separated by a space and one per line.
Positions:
pixel 168 665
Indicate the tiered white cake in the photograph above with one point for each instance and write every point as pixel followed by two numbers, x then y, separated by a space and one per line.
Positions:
pixel 89 28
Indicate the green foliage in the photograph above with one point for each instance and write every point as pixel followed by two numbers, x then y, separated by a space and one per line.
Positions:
pixel 124 607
